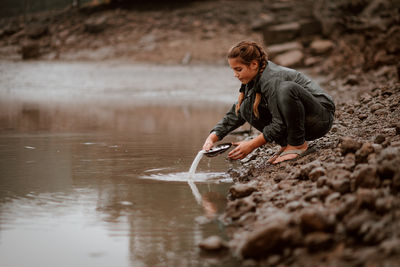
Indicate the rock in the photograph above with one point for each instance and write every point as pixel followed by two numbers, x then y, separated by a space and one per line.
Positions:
pixel 11 29
pixel 321 46
pixel 290 59
pixel 310 27
pixel 322 181
pixel 264 240
pixel 294 205
pixel 318 241
pixel 353 225
pixel 96 25
pixel 346 206
pixel 390 246
pixel 30 50
pixel 351 80
pixel 376 107
pixel 366 198
pixel 274 50
pixel 365 176
pixel 239 207
pixel 349 161
pixel 261 22
pixel 379 139
pixel 212 243
pixel 312 220
pixel 339 180
pixel 282 33
pixel 316 173
pixel 362 116
pixel 349 145
pixel 304 171
pixel 311 61
pixel 363 152
pixel 241 190
pixel 36 31
pixel 383 205
pixel 332 197
pixel 341 185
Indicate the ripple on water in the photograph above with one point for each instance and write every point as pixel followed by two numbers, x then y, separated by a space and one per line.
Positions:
pixel 201 177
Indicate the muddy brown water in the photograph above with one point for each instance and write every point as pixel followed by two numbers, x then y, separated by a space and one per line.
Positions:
pixel 94 160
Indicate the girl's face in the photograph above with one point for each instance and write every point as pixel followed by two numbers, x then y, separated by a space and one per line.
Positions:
pixel 243 72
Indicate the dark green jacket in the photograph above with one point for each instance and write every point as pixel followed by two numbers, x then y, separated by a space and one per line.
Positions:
pixel 270 122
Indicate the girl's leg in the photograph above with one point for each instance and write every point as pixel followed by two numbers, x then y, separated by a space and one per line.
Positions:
pixel 304 116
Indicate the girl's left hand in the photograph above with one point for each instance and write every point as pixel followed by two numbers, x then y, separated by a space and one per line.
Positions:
pixel 242 149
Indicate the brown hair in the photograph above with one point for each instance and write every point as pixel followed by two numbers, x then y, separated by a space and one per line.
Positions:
pixel 246 52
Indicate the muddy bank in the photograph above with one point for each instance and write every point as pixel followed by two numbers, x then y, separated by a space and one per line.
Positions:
pixel 341 204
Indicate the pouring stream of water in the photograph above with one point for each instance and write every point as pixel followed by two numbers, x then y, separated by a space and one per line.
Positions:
pixel 192 170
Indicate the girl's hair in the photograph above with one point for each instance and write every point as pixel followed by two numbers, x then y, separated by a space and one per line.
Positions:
pixel 246 52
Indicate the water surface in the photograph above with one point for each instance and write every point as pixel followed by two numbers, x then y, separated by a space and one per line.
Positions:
pixel 94 160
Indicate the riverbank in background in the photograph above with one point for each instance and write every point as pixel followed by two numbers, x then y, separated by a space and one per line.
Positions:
pixel 337 206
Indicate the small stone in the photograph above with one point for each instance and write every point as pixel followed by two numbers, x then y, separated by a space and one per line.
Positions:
pixel 332 197
pixel 316 173
pixel 379 139
pixel 313 220
pixel 363 152
pixel 390 246
pixel 30 50
pixel 351 80
pixel 353 225
pixel 294 205
pixel 318 241
pixel 365 176
pixel 321 46
pixel 322 181
pixel 277 49
pixel 281 33
pixel 349 145
pixel 241 190
pixel 212 243
pixel 290 59
pixel 341 185
pixel 235 209
pixel 264 240
pixel 362 116
pixel 376 107
pixel 366 198
pixel 383 205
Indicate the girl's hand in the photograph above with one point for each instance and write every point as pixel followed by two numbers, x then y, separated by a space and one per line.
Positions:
pixel 209 143
pixel 242 149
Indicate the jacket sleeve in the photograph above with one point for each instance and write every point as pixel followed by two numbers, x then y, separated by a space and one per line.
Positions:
pixel 229 122
pixel 276 130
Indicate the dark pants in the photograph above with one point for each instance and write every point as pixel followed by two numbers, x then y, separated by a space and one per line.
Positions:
pixel 307 117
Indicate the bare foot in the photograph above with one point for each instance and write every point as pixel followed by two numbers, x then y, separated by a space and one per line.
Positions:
pixel 290 156
pixel 276 155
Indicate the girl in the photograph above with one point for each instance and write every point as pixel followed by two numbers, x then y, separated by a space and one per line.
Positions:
pixel 286 106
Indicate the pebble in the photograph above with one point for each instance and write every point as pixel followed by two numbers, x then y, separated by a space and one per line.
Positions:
pixel 241 190
pixel 213 243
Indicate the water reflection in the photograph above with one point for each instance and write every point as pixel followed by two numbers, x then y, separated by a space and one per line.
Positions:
pixel 71 192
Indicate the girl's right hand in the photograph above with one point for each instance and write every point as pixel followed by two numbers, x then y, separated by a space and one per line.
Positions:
pixel 209 143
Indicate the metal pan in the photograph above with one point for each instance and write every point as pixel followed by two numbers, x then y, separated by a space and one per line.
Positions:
pixel 219 149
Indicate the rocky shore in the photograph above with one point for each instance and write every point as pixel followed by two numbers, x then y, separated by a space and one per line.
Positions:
pixel 337 206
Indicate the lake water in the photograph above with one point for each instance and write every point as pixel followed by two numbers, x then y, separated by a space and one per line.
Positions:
pixel 94 160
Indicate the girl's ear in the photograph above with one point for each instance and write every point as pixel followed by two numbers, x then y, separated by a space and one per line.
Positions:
pixel 254 65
